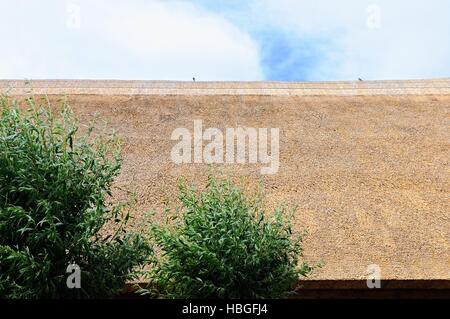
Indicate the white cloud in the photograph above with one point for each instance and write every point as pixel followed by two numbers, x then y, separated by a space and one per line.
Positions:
pixel 123 39
pixel 412 41
pixel 177 40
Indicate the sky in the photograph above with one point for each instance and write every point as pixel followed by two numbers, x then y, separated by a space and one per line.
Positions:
pixel 277 40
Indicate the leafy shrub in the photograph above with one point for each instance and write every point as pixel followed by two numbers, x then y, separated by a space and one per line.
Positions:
pixel 54 186
pixel 222 245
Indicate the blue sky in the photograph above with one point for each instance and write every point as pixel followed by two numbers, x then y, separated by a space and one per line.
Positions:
pixel 282 40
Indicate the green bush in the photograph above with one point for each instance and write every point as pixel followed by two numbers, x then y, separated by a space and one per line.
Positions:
pixel 222 245
pixel 54 187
